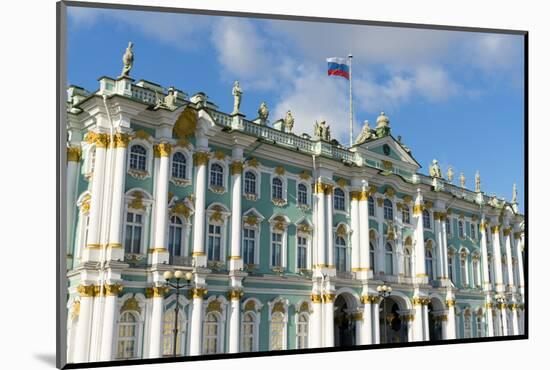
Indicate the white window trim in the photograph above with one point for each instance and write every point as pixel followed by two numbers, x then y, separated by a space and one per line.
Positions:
pixel 374 214
pixel 308 249
pixel 431 220
pixel 346 201
pixel 140 323
pixel 255 332
pixel 223 233
pixel 348 244
pixel 257 195
pixel 393 259
pixel 405 206
pixel 185 230
pixel 464 278
pixel 296 322
pixel 148 159
pixel 309 194
pixel 284 231
pixel 188 168
pixel 225 176
pixel 394 210
pixel 432 250
pixel 221 323
pixel 145 217
pixel 285 190
pixel 271 304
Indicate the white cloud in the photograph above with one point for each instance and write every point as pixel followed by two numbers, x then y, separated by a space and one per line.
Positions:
pixel 493 52
pixel 434 83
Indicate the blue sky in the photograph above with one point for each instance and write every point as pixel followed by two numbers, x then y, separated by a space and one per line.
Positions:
pixel 453 96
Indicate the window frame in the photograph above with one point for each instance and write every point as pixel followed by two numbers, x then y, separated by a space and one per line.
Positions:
pixel 257 184
pixel 307 237
pixel 308 194
pixel 219 189
pixel 343 200
pixel 387 206
pixel 392 253
pixel 405 210
pixel 302 334
pixel 427 219
pixel 145 157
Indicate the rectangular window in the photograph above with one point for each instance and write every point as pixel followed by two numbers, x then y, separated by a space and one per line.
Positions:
pixel 132 242
pixel 276 248
pixel 406 215
pixel 302 253
pixel 214 242
pixel 249 242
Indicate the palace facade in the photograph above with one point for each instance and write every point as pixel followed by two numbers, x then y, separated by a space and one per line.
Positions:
pixel 287 236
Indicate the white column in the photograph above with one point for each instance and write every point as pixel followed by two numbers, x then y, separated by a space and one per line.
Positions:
pixel 234 320
pixel 379 253
pixel 109 321
pixel 315 340
pixel 425 321
pixel 83 333
pixel 444 318
pixel 157 321
pixel 451 321
pixel 195 335
pixel 490 330
pixel 201 161
pixel 441 264
pixel 355 232
pixel 160 250
pixel 73 161
pixel 418 325
pixel 497 258
pixel 484 256
pixel 503 318
pixel 515 321
pixel 409 319
pixel 330 226
pixel 364 236
pixel 235 259
pixel 91 252
pixel 115 250
pixel 328 313
pixel 321 224
pixel 367 324
pixel 519 258
pixel 444 255
pixel 358 318
pixel 376 320
pixel 419 239
pixel 509 263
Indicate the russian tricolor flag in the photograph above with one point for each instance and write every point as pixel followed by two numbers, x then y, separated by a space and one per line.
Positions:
pixel 338 67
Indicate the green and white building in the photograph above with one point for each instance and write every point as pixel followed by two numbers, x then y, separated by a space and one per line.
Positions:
pixel 287 236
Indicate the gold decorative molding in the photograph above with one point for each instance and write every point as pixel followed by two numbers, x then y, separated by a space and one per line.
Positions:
pixel 304 175
pixel 329 297
pixel 488 305
pixel 428 204
pixel 74 153
pixel 113 289
pixel 201 158
pixel 237 167
pixel 197 292
pixel 341 182
pixel 304 307
pixel 357 316
pixel 100 140
pixel 495 229
pixel 407 317
pixel 355 195
pixel 219 155
pixel 163 150
pixel 417 301
pixel 450 302
pixel 517 235
pixel 183 143
pixel 137 202
pixel 216 216
pixel 407 199
pixel 253 162
pixel 121 140
pixel 198 254
pixel 75 310
pixel 367 299
pixel 316 298
pixel 279 170
pixel 143 135
pixel 250 306
pixel 304 228
pixel 251 220
pixel 86 290
pixel 390 192
pixel 278 307
pixel 380 202
pixel 131 304
pixel 341 230
pixel 387 165
pixel 181 209
pixel 507 231
pixel 417 209
pixel 235 294
pixel 214 306
pixel 158 250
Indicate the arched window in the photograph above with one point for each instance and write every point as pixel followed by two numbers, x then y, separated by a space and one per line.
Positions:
pixel 448 226
pixel 179 165
pixel 460 229
pixel 248 335
pixel 214 242
pixel 301 262
pixel 168 334
pixel 464 269
pixel 175 236
pixel 138 158
pixel 475 268
pixel 211 332
pixel 406 214
pixel 216 175
pixel 371 256
pixel 467 325
pixel 277 332
pixel 429 264
pixel 339 200
pixel 407 263
pixel 389 260
pixel 127 336
pixel 302 331
pixel 473 231
pixel 276 248
pixel 426 220
pixel 133 232
pixel 277 188
pixel 249 245
pixel 388 209
pixel 249 182
pixel 340 255
pixel 479 325
pixel 371 207
pixel 302 194
pixel 451 267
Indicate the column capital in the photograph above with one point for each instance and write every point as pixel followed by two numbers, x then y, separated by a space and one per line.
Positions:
pixel 100 140
pixel 235 294
pixel 197 292
pixel 86 290
pixel 417 301
pixel 156 291
pixel 121 140
pixel 329 297
pixel 316 298
pixel 495 229
pixel 357 316
pixel 450 302
pixel 113 289
pixel 74 153
pixel 418 209
pixel 236 167
pixel 201 158
pixel 507 231
pixel 162 150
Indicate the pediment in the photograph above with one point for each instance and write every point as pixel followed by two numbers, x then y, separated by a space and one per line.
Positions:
pixel 388 149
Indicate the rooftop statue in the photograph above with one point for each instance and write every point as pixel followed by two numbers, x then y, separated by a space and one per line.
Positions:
pixel 462 180
pixel 127 60
pixel 322 130
pixel 169 101
pixel 382 125
pixel 450 174
pixel 263 113
pixel 288 121
pixel 366 133
pixel 400 141
pixel 435 170
pixel 237 93
pixel 478 182
pixel 514 194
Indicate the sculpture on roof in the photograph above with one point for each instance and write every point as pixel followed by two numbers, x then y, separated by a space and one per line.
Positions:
pixel 288 121
pixel 382 125
pixel 237 93
pixel 450 174
pixel 400 141
pixel 322 130
pixel 462 180
pixel 168 102
pixel 366 133
pixel 263 113
pixel 514 194
pixel 435 170
pixel 127 60
pixel 478 182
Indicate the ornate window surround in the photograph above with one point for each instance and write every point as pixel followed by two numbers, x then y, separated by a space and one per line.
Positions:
pixel 278 223
pixel 258 174
pixel 309 194
pixel 279 202
pixel 83 204
pixel 221 314
pixel 218 214
pixel 256 312
pixel 183 182
pixel 169 306
pixel 346 200
pixel 304 229
pixel 140 175
pixel 276 304
pixel 138 311
pixel 298 309
pixel 253 219
pixel 139 205
pixel 225 177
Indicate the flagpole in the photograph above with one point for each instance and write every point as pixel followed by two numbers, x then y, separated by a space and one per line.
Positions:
pixel 350 105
